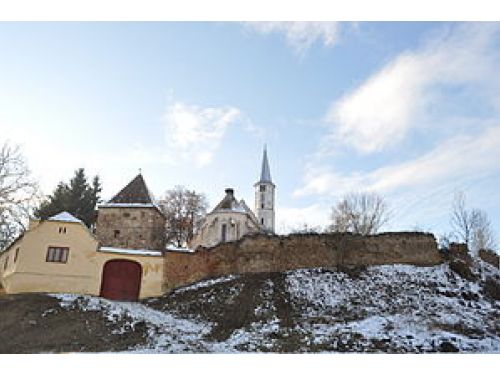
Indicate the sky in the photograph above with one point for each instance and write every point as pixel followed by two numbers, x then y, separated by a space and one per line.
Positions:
pixel 409 110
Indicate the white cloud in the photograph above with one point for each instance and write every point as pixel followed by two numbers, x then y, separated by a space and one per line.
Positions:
pixel 380 112
pixel 464 156
pixel 314 216
pixel 301 35
pixel 194 133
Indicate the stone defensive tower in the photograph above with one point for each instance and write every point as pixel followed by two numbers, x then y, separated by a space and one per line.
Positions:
pixel 131 219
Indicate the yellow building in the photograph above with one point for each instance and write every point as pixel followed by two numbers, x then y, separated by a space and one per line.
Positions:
pixel 60 255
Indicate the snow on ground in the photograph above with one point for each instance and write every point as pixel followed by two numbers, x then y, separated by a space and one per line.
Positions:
pixel 398 307
pixel 167 333
pixel 254 338
pixel 206 283
pixel 397 303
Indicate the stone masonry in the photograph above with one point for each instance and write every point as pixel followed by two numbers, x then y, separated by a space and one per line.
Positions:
pixel 489 256
pixel 266 253
pixel 130 228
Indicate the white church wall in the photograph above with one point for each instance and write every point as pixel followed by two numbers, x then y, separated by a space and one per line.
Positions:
pixel 237 225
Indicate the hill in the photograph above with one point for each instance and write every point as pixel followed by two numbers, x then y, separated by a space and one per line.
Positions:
pixel 390 309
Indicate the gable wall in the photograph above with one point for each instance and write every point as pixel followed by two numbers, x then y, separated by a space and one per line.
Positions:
pixel 210 234
pixel 29 272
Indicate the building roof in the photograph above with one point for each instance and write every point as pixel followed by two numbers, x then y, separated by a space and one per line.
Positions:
pixel 248 210
pixel 265 173
pixel 135 195
pixel 142 252
pixel 229 203
pixel 65 217
pixel 135 192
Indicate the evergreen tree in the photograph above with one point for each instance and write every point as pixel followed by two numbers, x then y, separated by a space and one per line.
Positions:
pixel 79 198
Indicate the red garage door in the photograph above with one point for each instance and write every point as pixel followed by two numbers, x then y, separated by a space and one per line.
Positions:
pixel 121 280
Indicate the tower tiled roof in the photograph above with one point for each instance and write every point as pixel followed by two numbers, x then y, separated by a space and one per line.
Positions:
pixel 136 192
pixel 265 174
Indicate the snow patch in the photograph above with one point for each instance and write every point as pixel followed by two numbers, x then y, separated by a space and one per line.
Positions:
pixel 206 283
pixel 166 332
pixel 179 249
pixel 398 308
pixel 105 249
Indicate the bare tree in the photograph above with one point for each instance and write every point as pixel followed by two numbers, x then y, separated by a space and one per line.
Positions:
pixel 360 213
pixel 184 210
pixel 482 234
pixel 471 227
pixel 18 193
pixel 461 219
pixel 305 229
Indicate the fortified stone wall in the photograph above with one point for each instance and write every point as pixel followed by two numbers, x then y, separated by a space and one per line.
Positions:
pixel 130 228
pixel 490 257
pixel 263 253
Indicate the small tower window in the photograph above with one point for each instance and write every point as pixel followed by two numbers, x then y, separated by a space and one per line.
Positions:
pixel 262 221
pixel 262 188
pixel 117 233
pixel 262 205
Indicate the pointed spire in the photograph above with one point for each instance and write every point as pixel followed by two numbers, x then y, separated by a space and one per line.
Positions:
pixel 265 174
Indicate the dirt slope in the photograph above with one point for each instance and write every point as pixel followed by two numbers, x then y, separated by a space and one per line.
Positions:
pixel 395 309
pixel 35 323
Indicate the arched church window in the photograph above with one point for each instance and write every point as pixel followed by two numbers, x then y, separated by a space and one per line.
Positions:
pixel 223 232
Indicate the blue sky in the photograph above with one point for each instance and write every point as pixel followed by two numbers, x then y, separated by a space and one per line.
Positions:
pixel 410 110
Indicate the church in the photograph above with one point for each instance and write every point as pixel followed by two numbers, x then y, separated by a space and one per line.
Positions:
pixel 231 219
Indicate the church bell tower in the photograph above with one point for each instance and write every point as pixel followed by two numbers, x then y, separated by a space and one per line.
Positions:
pixel 264 197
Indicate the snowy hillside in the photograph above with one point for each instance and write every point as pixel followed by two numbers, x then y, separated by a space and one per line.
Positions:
pixel 394 309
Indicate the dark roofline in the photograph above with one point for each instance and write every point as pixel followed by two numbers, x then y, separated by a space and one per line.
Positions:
pixel 136 191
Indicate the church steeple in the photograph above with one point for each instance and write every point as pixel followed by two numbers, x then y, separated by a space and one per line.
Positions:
pixel 265 174
pixel 264 196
